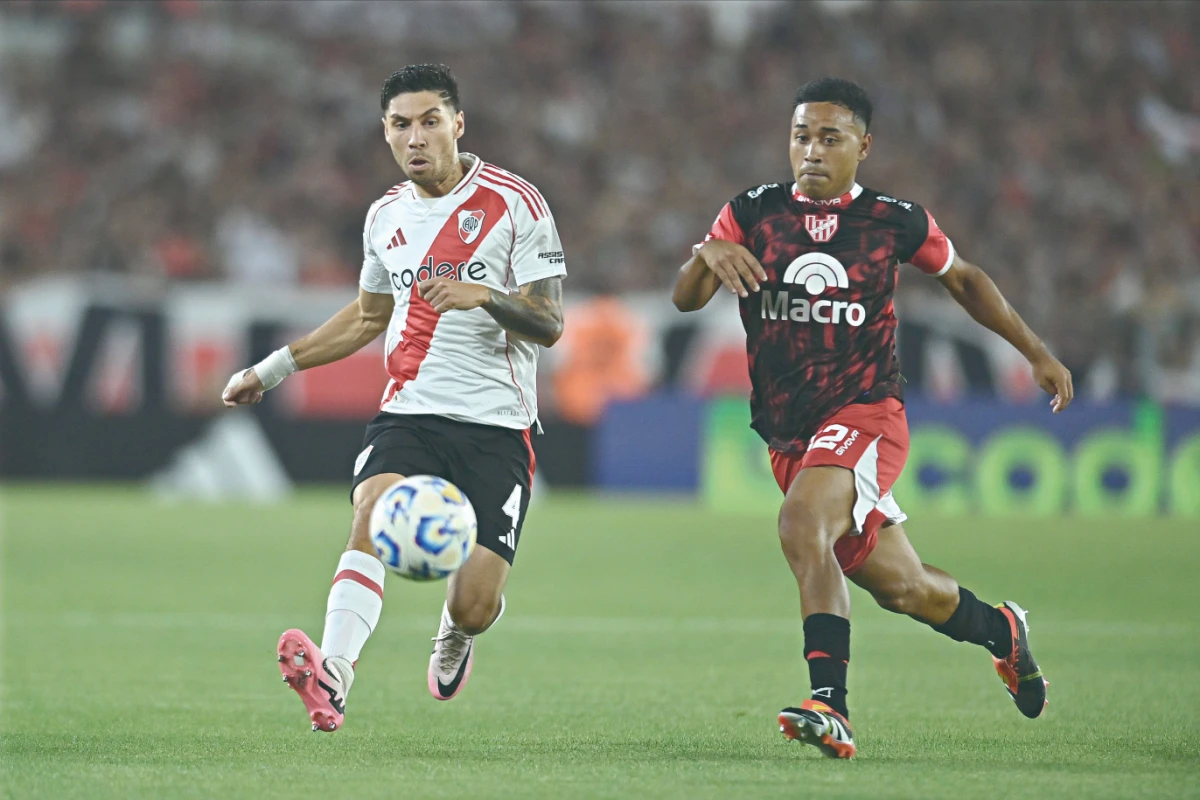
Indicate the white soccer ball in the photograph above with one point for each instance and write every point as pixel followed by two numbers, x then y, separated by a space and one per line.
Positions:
pixel 423 528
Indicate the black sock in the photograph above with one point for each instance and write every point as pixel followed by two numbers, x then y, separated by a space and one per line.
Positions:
pixel 827 650
pixel 976 622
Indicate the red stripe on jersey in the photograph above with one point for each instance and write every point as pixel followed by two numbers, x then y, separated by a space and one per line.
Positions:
pixel 532 456
pixel 487 180
pixel 933 256
pixel 358 577
pixel 405 361
pixel 726 228
pixel 532 197
pixel 517 179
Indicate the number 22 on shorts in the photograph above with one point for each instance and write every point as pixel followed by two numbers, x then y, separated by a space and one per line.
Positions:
pixel 831 436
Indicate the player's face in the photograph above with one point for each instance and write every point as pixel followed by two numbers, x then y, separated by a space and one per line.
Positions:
pixel 827 146
pixel 423 134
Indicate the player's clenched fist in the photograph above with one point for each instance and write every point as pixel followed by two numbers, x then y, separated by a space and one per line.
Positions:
pixel 244 388
pixel 736 266
pixel 445 294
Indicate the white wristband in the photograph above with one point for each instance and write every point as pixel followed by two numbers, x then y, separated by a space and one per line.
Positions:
pixel 275 367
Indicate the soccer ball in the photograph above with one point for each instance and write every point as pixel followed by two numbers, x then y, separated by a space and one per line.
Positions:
pixel 423 528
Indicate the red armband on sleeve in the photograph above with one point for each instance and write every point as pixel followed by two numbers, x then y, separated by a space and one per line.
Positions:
pixel 936 253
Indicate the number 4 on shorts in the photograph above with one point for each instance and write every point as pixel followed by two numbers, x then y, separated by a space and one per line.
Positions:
pixel 512 507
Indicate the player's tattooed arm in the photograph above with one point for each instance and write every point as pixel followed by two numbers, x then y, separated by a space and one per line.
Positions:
pixel 972 289
pixel 535 314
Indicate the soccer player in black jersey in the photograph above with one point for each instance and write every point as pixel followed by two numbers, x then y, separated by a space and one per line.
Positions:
pixel 814 262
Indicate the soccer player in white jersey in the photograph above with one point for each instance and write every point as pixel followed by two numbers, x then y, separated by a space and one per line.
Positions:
pixel 463 269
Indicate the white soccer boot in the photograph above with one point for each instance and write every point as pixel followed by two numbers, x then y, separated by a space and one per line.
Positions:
pixel 453 656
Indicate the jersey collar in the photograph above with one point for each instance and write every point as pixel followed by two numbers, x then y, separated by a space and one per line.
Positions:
pixel 844 200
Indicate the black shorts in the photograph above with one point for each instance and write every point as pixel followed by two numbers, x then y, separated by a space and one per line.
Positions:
pixel 493 467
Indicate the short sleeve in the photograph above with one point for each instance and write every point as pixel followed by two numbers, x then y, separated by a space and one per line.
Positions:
pixel 933 252
pixel 537 250
pixel 725 227
pixel 374 277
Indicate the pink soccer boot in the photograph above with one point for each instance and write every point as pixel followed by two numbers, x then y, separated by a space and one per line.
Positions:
pixel 321 682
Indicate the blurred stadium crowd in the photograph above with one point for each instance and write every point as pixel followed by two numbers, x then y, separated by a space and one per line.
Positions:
pixel 1057 143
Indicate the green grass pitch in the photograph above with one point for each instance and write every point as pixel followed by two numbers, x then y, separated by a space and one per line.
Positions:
pixel 647 647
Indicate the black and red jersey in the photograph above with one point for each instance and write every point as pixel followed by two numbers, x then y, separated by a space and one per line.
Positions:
pixel 821 333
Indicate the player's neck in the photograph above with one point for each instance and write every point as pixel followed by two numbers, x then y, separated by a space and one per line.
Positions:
pixel 446 186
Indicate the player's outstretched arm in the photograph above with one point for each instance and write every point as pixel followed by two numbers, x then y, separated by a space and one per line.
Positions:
pixel 346 332
pixel 717 262
pixel 971 287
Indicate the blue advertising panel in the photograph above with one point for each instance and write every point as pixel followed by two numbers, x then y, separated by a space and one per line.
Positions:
pixel 999 459
pixel 989 457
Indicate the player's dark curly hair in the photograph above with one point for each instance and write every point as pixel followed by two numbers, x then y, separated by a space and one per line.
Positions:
pixel 421 78
pixel 838 91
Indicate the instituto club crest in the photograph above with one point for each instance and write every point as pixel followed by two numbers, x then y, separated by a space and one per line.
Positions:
pixel 821 227
pixel 470 223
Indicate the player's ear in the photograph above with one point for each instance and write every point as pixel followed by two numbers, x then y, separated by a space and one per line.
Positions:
pixel 864 149
pixel 460 123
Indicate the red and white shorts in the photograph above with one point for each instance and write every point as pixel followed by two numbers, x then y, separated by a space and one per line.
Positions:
pixel 870 440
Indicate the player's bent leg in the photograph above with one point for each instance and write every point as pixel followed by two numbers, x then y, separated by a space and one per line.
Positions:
pixel 322 676
pixel 494 468
pixel 474 602
pixel 816 512
pixel 899 582
pixel 475 594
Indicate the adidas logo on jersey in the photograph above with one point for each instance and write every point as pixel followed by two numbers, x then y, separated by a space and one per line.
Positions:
pixel 397 239
pixel 816 272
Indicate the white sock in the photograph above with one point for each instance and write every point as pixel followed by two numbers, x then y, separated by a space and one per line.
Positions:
pixel 355 602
